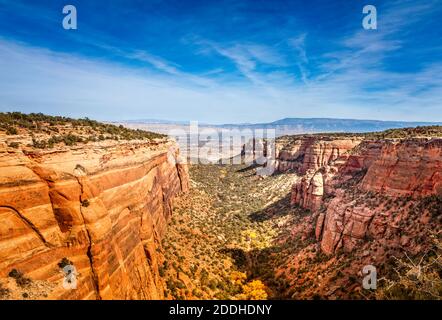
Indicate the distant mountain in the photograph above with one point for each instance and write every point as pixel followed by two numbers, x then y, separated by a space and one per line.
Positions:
pixel 312 125
pixel 154 121
pixel 302 125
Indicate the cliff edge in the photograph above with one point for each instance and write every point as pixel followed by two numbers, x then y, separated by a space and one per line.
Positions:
pixel 100 206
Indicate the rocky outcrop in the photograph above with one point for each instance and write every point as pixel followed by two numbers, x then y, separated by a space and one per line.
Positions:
pixel 309 191
pixel 311 152
pixel 342 191
pixel 322 153
pixel 102 206
pixel 318 161
pixel 342 225
pixel 412 167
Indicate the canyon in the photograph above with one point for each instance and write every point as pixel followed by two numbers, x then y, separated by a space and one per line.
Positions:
pixel 336 203
pixel 409 169
pixel 136 222
pixel 102 207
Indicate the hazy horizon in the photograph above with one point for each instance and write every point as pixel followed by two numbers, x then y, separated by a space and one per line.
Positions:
pixel 186 121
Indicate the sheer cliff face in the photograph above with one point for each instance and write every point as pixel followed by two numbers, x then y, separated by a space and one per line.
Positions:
pixel 412 167
pixel 308 156
pixel 370 190
pixel 102 206
pixel 311 153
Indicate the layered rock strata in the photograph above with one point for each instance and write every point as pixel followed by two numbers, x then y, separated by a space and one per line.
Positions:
pixel 311 152
pixel 390 169
pixel 103 207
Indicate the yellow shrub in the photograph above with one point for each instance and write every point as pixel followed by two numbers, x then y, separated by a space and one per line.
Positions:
pixel 238 277
pixel 254 290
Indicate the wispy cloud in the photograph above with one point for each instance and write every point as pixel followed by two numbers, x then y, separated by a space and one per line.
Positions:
pixel 298 44
pixel 367 49
pixel 254 79
pixel 157 62
pixel 247 57
pixel 40 80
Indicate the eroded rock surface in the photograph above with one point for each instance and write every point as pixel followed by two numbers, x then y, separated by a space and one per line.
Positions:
pixel 372 169
pixel 103 206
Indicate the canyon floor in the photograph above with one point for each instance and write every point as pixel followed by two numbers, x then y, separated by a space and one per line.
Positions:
pixel 115 204
pixel 236 236
pixel 219 229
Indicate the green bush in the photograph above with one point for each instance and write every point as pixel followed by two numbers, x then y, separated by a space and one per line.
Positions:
pixel 11 131
pixel 40 123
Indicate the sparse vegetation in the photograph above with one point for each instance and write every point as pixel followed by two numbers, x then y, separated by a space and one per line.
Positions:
pixel 20 278
pixel 241 230
pixel 213 239
pixel 85 203
pixel 414 278
pixel 4 292
pixel 14 145
pixel 62 130
pixel 401 133
pixel 65 262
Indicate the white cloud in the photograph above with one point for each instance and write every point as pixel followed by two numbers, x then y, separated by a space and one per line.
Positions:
pixel 247 57
pixel 157 62
pixel 38 80
pixel 298 44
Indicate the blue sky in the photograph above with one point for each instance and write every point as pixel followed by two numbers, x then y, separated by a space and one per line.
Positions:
pixel 222 61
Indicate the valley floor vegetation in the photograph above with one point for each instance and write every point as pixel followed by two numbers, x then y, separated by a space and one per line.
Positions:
pixel 236 236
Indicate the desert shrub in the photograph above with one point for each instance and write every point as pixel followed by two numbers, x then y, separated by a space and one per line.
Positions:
pixel 162 271
pixel 180 285
pixel 433 204
pixel 417 278
pixel 39 144
pixel 85 203
pixel 65 262
pixel 170 285
pixel 19 277
pixel 212 284
pixel 4 292
pixel 254 290
pixel 197 293
pixel 11 131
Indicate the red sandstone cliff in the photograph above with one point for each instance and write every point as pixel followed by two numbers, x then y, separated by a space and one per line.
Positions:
pixel 311 152
pixel 357 194
pixel 103 206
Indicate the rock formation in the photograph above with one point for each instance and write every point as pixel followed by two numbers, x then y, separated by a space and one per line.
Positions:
pixel 102 206
pixel 309 191
pixel 311 152
pixel 341 187
pixel 410 167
